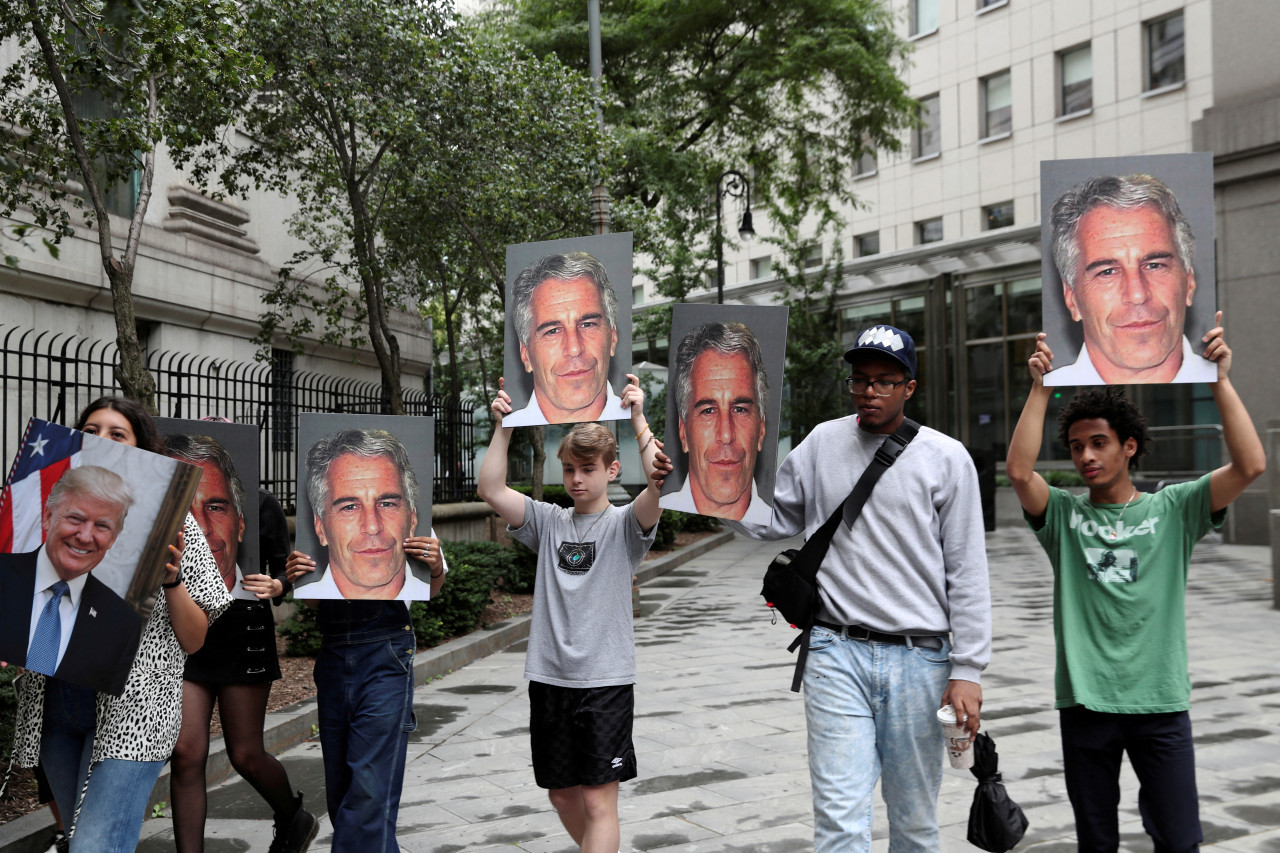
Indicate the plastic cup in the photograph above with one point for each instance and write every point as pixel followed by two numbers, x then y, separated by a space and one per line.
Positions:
pixel 958 741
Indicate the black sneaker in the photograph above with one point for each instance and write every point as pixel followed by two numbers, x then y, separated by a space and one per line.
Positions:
pixel 294 834
pixel 61 844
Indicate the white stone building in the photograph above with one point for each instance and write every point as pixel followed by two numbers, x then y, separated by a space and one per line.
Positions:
pixel 948 244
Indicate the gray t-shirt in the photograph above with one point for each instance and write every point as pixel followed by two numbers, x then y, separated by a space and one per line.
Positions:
pixel 581 633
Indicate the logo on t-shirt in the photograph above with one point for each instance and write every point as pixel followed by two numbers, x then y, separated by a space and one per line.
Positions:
pixel 1107 565
pixel 1121 530
pixel 576 557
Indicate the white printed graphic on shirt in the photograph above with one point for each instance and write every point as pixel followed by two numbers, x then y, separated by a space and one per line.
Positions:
pixel 1107 565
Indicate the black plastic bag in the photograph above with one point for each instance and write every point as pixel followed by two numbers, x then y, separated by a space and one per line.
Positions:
pixel 996 823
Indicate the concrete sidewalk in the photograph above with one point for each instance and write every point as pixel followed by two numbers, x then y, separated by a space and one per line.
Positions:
pixel 721 739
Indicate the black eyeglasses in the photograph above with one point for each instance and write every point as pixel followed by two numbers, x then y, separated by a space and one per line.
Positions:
pixel 883 387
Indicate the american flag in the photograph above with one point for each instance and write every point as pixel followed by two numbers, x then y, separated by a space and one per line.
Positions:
pixel 47 452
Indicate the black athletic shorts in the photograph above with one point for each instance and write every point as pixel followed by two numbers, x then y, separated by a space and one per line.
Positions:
pixel 581 735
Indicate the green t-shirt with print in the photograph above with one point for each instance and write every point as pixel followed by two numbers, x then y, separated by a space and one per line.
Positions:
pixel 1120 581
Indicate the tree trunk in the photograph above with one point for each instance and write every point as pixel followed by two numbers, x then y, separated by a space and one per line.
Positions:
pixel 131 373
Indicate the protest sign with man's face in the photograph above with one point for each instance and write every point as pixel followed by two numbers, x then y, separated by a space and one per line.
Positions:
pixel 1126 277
pixel 724 407
pixel 361 493
pixel 568 329
pixel 82 551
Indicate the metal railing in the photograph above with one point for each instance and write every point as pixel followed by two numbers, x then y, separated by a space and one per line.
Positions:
pixel 53 376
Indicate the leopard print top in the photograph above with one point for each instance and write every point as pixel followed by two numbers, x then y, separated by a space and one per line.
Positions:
pixel 142 723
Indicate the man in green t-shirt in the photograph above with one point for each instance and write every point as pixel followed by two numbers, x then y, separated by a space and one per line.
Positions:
pixel 1120 559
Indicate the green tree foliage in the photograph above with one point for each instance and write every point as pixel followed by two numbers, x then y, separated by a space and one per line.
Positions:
pixel 814 351
pixel 508 157
pixel 791 92
pixel 334 131
pixel 96 88
pixel 416 152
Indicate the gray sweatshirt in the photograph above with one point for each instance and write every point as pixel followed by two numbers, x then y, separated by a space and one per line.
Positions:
pixel 916 560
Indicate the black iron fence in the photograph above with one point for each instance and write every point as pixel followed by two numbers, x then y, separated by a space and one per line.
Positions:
pixel 53 376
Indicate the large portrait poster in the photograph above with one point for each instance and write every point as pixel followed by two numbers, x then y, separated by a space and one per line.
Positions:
pixel 364 486
pixel 85 529
pixel 1128 269
pixel 568 330
pixel 724 403
pixel 226 502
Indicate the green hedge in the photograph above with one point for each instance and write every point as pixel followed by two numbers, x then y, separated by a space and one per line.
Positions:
pixel 1053 476
pixel 8 706
pixel 475 569
pixel 551 493
pixel 674 521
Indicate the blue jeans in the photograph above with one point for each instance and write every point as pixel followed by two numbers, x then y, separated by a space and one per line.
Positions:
pixel 66 740
pixel 364 693
pixel 871 712
pixel 114 805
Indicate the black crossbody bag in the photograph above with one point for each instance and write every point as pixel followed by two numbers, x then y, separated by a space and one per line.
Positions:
pixel 791 581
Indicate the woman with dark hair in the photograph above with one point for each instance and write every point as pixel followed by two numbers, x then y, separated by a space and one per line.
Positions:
pixel 120 419
pixel 237 664
pixel 101 753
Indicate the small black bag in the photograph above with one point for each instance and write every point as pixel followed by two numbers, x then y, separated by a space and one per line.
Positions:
pixel 791 581
pixel 996 822
pixel 789 588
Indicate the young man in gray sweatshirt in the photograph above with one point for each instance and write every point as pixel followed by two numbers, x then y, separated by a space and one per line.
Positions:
pixel 905 618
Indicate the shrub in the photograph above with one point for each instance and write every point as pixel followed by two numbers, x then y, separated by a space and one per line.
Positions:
pixel 301 631
pixel 462 599
pixel 8 704
pixel 551 493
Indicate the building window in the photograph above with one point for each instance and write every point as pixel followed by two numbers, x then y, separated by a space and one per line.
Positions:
pixel 865 164
pixel 924 17
pixel 813 257
pixel 637 294
pixel 928 139
pixel 1166 52
pixel 1075 71
pixel 987 4
pixel 997 105
pixel 928 231
pixel 998 215
pixel 867 244
pixel 761 267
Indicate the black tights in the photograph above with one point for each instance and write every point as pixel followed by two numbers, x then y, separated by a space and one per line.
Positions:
pixel 242 709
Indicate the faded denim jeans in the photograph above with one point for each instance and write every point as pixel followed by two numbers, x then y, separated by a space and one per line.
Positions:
pixel 871 713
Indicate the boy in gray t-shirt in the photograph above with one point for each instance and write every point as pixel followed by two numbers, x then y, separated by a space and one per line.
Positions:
pixel 581 662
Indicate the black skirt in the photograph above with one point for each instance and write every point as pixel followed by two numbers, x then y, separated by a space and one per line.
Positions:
pixel 240 647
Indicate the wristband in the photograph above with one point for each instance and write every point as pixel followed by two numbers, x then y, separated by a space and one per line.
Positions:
pixel 176 581
pixel 640 434
pixel 435 576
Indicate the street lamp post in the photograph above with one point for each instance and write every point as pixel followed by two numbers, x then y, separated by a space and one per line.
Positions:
pixel 738 187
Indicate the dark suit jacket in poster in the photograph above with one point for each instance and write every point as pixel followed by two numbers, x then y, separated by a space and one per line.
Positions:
pixel 104 638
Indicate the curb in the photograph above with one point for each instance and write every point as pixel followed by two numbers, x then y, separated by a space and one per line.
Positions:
pixel 32 833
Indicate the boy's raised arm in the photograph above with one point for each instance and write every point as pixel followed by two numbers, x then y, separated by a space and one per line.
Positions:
pixel 1024 446
pixel 491 483
pixel 1246 460
pixel 656 464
